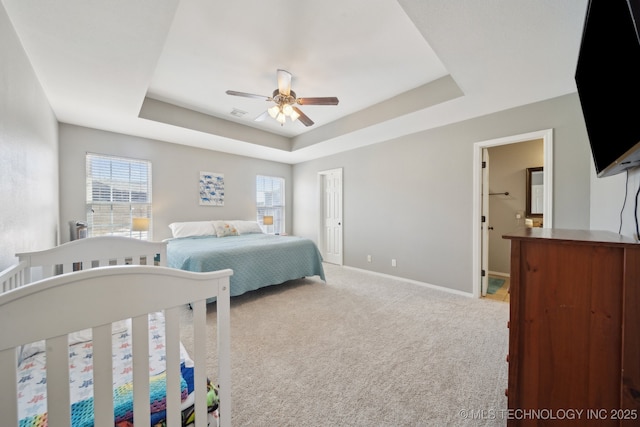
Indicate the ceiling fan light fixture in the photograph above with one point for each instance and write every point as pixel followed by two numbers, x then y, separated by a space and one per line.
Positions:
pixel 286 101
pixel 273 111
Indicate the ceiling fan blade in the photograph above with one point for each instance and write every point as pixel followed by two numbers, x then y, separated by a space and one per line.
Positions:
pixel 327 100
pixel 261 117
pixel 248 95
pixel 284 82
pixel 303 117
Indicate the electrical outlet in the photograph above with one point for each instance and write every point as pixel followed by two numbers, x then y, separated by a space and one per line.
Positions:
pixel 393 263
pixel 368 258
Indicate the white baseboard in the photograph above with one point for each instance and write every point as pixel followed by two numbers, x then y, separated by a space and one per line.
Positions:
pixel 498 273
pixel 414 282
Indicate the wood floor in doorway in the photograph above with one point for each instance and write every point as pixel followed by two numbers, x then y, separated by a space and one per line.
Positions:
pixel 501 294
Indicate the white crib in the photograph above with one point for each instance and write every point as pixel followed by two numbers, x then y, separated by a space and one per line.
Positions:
pixel 75 295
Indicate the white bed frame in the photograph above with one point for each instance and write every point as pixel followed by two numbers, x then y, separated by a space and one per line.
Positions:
pixel 58 305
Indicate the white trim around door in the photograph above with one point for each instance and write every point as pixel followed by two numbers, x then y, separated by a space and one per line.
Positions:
pixel 547 137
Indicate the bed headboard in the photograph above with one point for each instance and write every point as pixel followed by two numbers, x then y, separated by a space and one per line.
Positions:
pixel 83 254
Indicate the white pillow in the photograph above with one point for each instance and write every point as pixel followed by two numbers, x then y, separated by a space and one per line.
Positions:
pixel 192 228
pixel 247 227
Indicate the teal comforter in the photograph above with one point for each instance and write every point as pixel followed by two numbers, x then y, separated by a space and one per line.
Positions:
pixel 257 260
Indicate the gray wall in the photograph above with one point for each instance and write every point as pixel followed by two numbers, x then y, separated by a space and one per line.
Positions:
pixel 411 198
pixel 608 198
pixel 175 170
pixel 507 172
pixel 28 154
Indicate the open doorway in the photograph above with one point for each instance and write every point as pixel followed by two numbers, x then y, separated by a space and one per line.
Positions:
pixel 483 193
pixel 508 206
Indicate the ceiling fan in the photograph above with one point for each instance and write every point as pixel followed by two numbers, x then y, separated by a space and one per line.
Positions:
pixel 286 101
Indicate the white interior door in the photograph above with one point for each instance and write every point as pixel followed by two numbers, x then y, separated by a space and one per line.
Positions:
pixel 331 216
pixel 485 222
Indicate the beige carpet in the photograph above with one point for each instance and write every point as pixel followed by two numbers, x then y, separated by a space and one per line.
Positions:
pixel 364 350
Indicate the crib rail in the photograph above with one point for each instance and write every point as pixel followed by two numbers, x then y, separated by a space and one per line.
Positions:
pixel 14 276
pixel 82 254
pixel 92 252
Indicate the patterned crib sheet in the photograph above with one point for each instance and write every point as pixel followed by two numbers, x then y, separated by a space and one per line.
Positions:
pixel 32 392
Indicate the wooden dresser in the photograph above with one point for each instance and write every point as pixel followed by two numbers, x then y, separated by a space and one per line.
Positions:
pixel 574 336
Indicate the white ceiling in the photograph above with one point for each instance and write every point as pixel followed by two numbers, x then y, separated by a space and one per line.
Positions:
pixel 160 68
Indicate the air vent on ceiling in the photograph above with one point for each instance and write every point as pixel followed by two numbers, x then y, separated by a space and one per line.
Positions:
pixel 238 113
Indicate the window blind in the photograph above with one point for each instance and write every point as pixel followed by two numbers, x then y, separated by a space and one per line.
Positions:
pixel 270 202
pixel 118 190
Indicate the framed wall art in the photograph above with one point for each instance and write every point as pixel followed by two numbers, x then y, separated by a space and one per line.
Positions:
pixel 211 189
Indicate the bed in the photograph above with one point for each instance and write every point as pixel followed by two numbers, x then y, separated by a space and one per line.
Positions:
pixel 257 259
pixel 128 334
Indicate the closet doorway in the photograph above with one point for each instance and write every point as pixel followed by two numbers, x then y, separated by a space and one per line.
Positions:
pixel 500 210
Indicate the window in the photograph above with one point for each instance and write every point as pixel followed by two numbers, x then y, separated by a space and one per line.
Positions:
pixel 118 196
pixel 270 203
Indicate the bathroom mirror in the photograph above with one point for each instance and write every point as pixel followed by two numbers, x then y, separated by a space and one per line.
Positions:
pixel 535 192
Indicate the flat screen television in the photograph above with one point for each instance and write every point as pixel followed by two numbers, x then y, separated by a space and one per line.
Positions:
pixel 608 81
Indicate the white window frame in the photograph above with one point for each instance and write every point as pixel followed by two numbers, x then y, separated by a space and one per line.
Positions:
pixel 118 189
pixel 270 201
